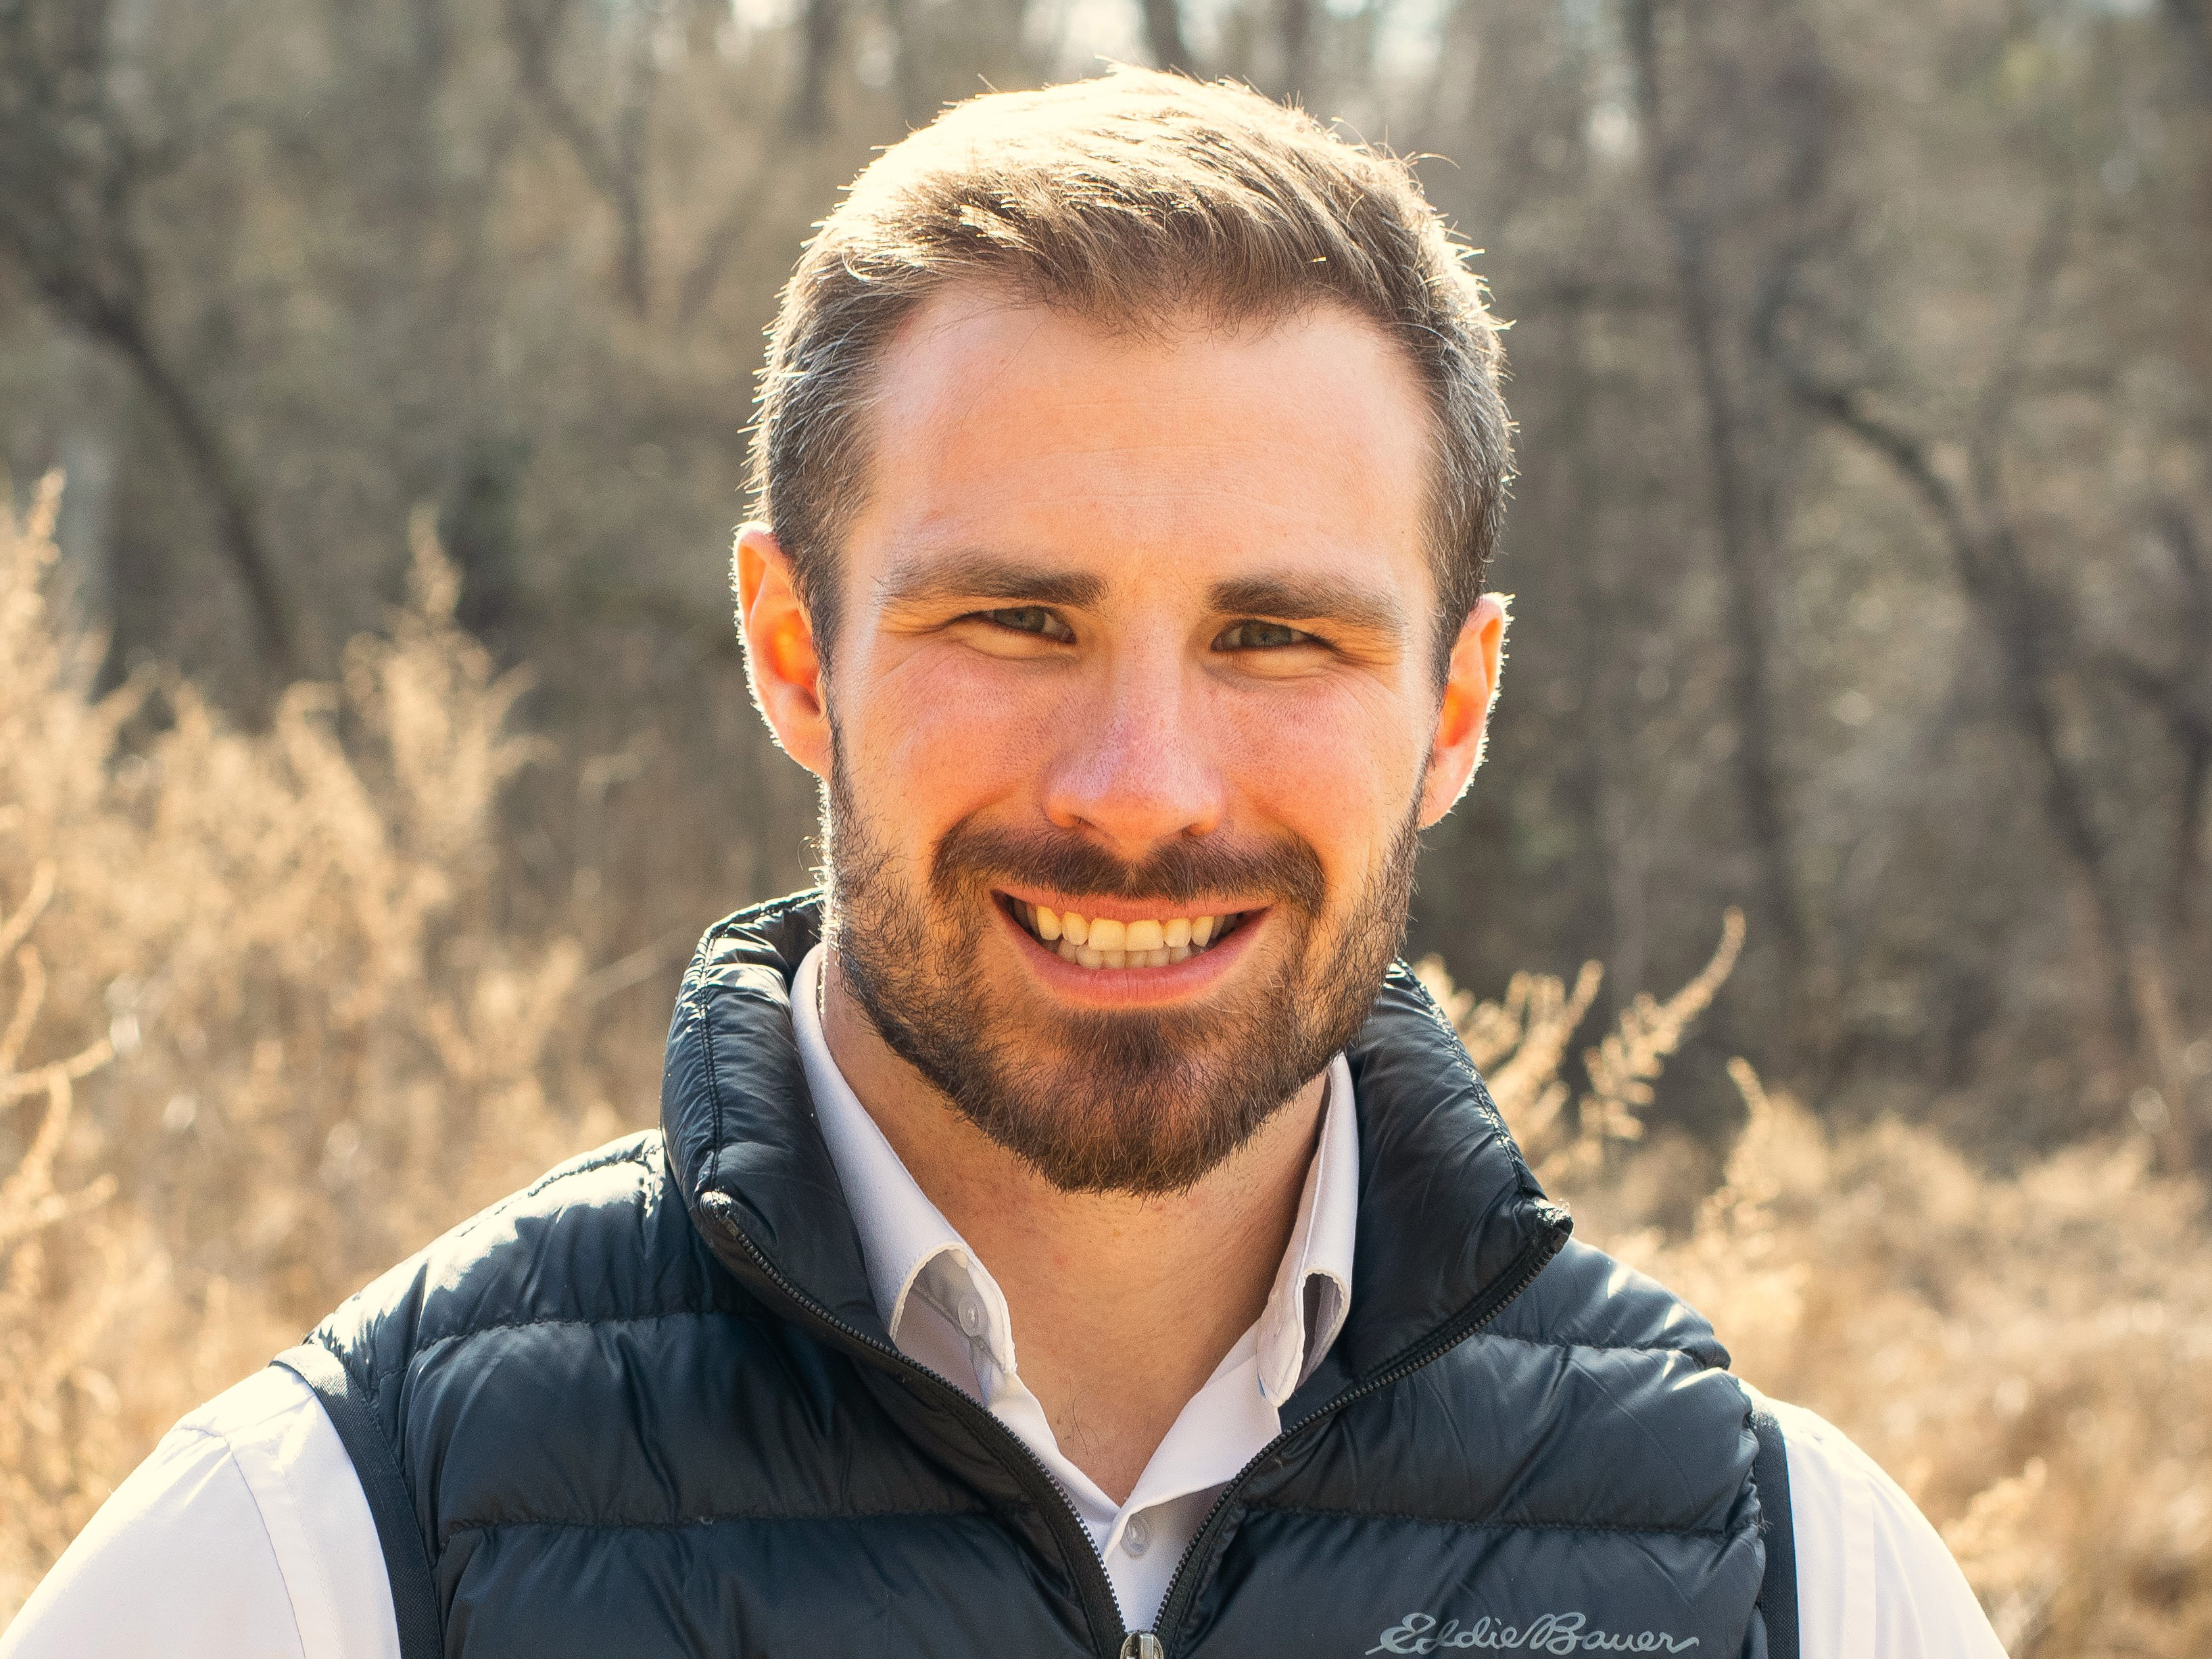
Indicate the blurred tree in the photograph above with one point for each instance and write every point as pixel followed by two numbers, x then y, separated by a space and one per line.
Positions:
pixel 1735 115
pixel 1164 35
pixel 74 169
pixel 613 158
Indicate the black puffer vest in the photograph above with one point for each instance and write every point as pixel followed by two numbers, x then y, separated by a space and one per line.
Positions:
pixel 646 1409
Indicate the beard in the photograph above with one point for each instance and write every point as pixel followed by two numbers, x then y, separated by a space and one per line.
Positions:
pixel 1139 1101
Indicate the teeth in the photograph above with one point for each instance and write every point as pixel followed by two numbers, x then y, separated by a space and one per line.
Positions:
pixel 1103 942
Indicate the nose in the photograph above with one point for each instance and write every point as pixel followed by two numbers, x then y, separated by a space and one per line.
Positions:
pixel 1134 770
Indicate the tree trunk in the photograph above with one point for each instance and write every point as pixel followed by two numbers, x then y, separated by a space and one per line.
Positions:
pixel 1164 35
pixel 1744 546
pixel 821 27
pixel 229 495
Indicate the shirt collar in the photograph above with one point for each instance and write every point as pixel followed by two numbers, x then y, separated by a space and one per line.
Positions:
pixel 901 1233
pixel 910 1247
pixel 1313 1287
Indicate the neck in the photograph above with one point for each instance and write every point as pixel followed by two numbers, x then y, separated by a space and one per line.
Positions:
pixel 1122 1306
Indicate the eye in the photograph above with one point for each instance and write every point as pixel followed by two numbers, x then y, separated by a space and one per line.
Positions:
pixel 1029 619
pixel 1251 635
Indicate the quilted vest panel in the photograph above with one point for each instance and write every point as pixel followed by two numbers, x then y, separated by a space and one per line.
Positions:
pixel 646 1408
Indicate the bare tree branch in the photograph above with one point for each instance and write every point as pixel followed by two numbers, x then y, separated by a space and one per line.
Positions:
pixel 716 250
pixel 614 164
pixel 910 31
pixel 71 171
pixel 2180 698
pixel 1294 26
pixel 2191 23
pixel 821 30
pixel 1982 538
pixel 1744 546
pixel 1164 36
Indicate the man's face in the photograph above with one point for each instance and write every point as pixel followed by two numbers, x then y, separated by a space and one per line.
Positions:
pixel 1132 719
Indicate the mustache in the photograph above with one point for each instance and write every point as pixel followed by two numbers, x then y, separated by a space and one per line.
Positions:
pixel 1180 872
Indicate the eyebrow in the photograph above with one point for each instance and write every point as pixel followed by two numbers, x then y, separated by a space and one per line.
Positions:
pixel 989 576
pixel 1311 598
pixel 985 575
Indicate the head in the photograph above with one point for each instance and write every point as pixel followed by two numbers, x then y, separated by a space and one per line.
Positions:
pixel 1130 456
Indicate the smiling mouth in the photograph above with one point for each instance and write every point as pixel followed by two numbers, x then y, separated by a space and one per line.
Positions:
pixel 1102 942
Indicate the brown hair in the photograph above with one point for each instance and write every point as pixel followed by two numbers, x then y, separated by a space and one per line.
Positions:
pixel 1130 198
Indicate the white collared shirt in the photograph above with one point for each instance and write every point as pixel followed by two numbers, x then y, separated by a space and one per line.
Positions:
pixel 945 1310
pixel 246 1534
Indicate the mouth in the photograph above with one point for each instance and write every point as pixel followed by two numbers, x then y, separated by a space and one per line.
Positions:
pixel 1103 942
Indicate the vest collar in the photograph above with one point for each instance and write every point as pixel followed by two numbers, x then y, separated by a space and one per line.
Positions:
pixel 1447 1207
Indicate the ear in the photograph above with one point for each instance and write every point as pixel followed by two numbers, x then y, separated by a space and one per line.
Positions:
pixel 783 664
pixel 1463 720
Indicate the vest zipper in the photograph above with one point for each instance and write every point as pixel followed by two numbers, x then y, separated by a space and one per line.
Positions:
pixel 1182 1587
pixel 1101 1605
pixel 1098 1593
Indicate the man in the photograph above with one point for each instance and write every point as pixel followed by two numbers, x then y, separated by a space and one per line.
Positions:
pixel 1071 1235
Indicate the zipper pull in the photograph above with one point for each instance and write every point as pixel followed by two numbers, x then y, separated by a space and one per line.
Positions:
pixel 1142 1644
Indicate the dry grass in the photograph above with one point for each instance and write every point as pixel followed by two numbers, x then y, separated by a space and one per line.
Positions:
pixel 2031 1356
pixel 265 1024
pixel 262 1028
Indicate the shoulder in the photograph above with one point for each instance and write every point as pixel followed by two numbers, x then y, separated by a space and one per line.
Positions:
pixel 1873 1578
pixel 244 1533
pixel 565 1331
pixel 1584 1299
pixel 602 1238
pixel 1592 1336
pixel 1612 1382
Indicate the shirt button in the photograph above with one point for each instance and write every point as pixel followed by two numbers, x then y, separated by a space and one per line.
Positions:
pixel 971 1315
pixel 1136 1537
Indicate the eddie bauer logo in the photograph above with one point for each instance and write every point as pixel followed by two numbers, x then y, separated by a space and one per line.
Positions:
pixel 1548 1632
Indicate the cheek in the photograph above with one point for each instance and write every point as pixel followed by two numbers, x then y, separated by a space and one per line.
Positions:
pixel 1337 765
pixel 947 732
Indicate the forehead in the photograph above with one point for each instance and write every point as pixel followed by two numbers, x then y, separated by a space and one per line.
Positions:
pixel 1190 451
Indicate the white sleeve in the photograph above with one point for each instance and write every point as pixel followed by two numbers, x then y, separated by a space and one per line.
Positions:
pixel 1873 1579
pixel 244 1536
